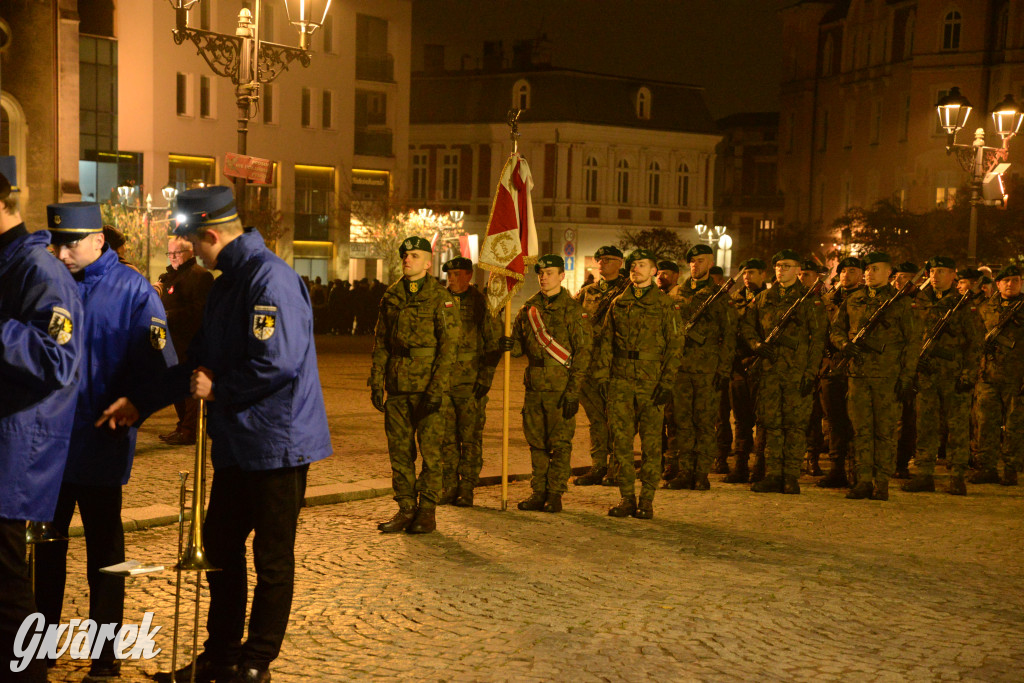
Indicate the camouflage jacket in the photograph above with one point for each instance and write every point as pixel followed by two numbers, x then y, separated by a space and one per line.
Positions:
pixel 595 299
pixel 641 339
pixel 741 301
pixel 893 347
pixel 416 339
pixel 800 344
pixel 1003 361
pixel 957 351
pixel 477 343
pixel 832 301
pixel 563 318
pixel 710 346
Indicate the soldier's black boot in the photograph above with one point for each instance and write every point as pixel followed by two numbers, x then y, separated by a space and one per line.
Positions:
pixel 701 483
pixel 985 476
pixel 813 468
pixel 836 477
pixel 535 502
pixel 670 471
pixel 644 509
pixel 1009 476
pixel 791 485
pixel 594 476
pixel 901 473
pixel 881 491
pixel 771 484
pixel 448 495
pixel 424 522
pixel 957 485
pixel 862 490
pixel 683 480
pixel 465 497
pixel 611 478
pixel 553 503
pixel 625 508
pixel 402 519
pixel 740 472
pixel 921 482
pixel 757 471
pixel 721 465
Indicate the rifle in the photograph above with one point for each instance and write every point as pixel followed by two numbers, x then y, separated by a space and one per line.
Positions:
pixel 774 337
pixel 603 307
pixel 939 328
pixel 722 290
pixel 874 321
pixel 995 335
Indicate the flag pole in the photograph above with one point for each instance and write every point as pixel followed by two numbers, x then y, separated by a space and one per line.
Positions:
pixel 513 123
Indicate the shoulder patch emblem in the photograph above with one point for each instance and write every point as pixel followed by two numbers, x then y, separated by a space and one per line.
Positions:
pixel 449 304
pixel 157 336
pixel 264 322
pixel 60 327
pixel 584 315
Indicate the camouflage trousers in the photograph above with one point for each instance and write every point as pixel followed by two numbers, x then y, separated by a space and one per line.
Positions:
pixel 815 429
pixel 784 415
pixel 743 398
pixel 906 444
pixel 404 432
pixel 938 407
pixel 550 438
pixel 723 426
pixel 837 426
pixel 631 409
pixel 875 415
pixel 462 448
pixel 695 402
pixel 1000 425
pixel 600 433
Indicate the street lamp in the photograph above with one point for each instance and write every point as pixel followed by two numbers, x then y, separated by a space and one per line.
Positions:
pixel 129 200
pixel 248 60
pixel 983 164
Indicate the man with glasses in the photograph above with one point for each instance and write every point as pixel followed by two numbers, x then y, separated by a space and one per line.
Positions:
pixel 183 291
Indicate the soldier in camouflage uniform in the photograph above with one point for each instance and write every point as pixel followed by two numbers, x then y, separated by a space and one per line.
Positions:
pixel 945 378
pixel 639 352
pixel 1000 393
pixel 882 371
pixel 475 357
pixel 553 333
pixel 810 271
pixel 706 367
pixel 668 282
pixel 834 383
pixel 788 370
pixel 969 280
pixel 742 385
pixel 596 299
pixel 416 339
pixel 906 444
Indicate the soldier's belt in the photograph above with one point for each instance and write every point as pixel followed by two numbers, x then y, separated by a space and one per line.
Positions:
pixel 545 363
pixel 415 352
pixel 637 355
pixel 468 355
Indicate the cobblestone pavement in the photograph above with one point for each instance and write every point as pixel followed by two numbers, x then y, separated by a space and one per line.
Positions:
pixel 721 586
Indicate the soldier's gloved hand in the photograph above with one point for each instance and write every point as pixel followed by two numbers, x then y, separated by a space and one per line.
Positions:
pixel 905 389
pixel 570 405
pixel 766 351
pixel 506 343
pixel 852 351
pixel 806 385
pixel 602 390
pixel 377 398
pixel 964 384
pixel 428 406
pixel 662 395
pixel 721 381
pixel 480 390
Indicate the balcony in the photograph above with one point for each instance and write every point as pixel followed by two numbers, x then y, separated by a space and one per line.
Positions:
pixel 374 143
pixel 375 68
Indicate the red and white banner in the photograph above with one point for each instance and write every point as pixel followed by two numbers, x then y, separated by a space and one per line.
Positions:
pixel 511 241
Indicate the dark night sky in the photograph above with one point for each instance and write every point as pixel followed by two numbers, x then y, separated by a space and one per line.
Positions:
pixel 731 47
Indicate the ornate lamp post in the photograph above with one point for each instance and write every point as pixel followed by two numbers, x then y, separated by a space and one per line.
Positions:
pixel 248 60
pixel 976 159
pixel 127 195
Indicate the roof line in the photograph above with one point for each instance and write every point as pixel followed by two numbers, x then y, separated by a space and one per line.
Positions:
pixel 527 72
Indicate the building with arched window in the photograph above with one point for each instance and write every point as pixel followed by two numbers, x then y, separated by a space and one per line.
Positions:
pixel 604 151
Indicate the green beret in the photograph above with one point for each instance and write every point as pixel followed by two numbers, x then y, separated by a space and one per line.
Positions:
pixel 985 280
pixel 668 265
pixel 753 264
pixel 1009 271
pixel 697 250
pixel 458 263
pixel 941 262
pixel 607 250
pixel 638 254
pixel 786 255
pixel 877 257
pixel 716 270
pixel 969 274
pixel 850 262
pixel 907 267
pixel 549 261
pixel 414 244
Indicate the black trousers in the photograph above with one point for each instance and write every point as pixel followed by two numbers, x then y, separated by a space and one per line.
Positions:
pixel 100 507
pixel 267 503
pixel 16 601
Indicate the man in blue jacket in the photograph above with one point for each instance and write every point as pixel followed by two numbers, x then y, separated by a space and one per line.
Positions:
pixel 124 336
pixel 254 363
pixel 40 351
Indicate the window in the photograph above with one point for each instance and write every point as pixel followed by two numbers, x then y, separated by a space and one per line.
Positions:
pixel 267 102
pixel 683 190
pixel 765 230
pixel 97 94
pixel 266 21
pixel 205 105
pixel 654 183
pixel 327 31
pixel 876 122
pixel 184 94
pixel 307 104
pixel 1003 27
pixel 521 95
pixel 314 196
pixel 951 31
pixel 590 180
pixel 327 114
pixel 823 133
pixel 643 104
pixel 204 15
pixel 419 176
pixel 827 56
pixel 371 35
pixel 622 182
pixel 186 172
pixel 905 122
pixel 450 175
pixel 908 36
pixel 945 197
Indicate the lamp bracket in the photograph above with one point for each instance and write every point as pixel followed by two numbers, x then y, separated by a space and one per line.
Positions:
pixel 275 59
pixel 222 52
pixel 992 156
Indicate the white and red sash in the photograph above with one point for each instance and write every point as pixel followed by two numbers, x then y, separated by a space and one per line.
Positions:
pixel 546 341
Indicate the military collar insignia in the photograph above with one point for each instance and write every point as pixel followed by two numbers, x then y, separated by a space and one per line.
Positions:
pixel 603 285
pixel 413 286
